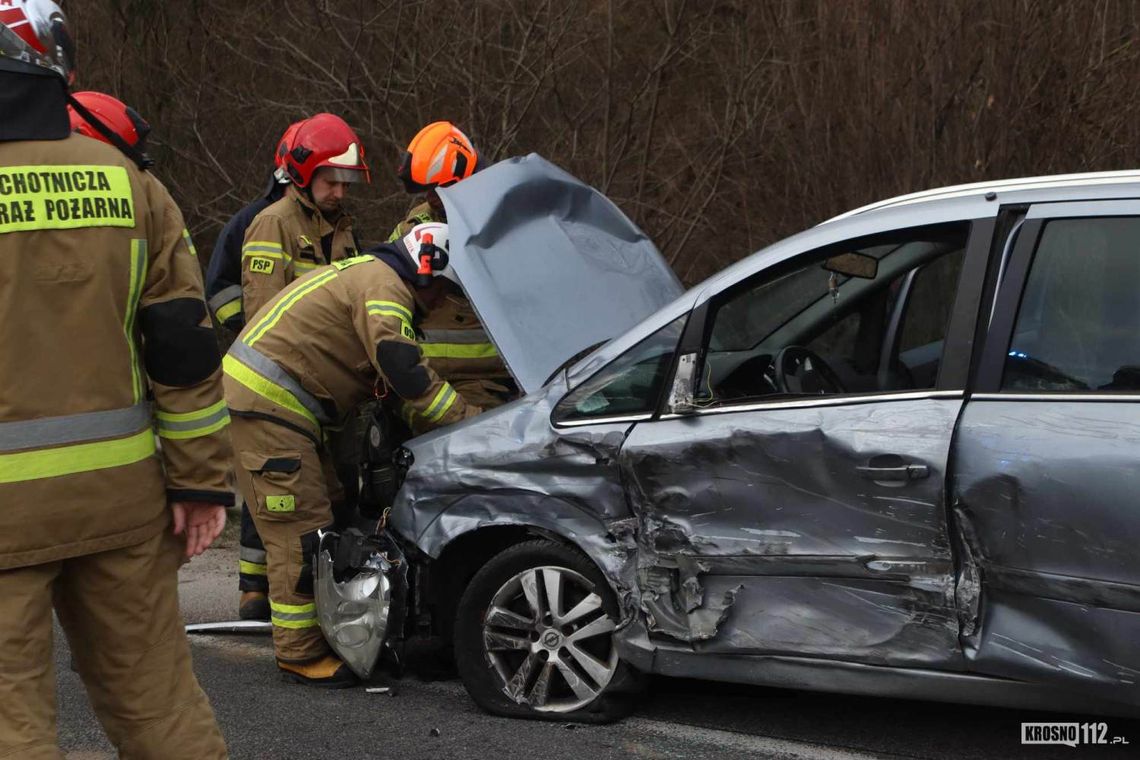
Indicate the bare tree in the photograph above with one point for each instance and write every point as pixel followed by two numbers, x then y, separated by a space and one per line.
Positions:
pixel 717 125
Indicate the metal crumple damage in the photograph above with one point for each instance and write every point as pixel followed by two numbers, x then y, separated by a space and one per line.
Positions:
pixel 758 533
pixel 510 468
pixel 674 602
pixel 968 589
pixel 672 597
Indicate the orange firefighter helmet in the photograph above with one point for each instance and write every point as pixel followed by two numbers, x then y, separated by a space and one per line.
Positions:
pixel 439 155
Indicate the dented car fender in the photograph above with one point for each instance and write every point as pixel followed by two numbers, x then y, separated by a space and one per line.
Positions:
pixel 511 467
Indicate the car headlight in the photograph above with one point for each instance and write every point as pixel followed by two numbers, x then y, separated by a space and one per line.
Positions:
pixel 358 581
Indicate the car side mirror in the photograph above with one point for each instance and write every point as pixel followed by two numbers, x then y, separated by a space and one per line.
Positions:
pixel 681 392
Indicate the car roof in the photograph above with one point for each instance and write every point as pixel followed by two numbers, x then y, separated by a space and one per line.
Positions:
pixel 1059 187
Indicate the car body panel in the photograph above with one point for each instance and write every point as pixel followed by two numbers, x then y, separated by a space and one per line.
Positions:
pixel 509 466
pixel 550 264
pixel 842 583
pixel 1044 490
pixel 765 508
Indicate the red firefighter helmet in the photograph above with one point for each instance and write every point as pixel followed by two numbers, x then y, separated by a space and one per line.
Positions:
pixel 34 37
pixel 284 145
pixel 439 155
pixel 116 115
pixel 326 141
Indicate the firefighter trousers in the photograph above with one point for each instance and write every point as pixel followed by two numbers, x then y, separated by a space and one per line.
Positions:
pixel 120 612
pixel 252 570
pixel 284 476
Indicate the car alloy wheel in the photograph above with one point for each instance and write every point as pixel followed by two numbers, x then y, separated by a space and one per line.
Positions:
pixel 549 639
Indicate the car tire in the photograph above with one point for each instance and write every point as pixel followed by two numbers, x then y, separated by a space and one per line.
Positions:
pixel 534 638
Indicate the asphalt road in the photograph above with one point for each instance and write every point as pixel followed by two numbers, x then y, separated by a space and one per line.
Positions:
pixel 264 717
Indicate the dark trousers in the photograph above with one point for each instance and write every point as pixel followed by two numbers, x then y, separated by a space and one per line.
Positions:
pixel 252 572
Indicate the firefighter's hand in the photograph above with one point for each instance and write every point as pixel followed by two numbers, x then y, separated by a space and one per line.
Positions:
pixel 201 523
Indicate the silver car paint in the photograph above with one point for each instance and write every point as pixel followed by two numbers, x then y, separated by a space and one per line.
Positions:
pixel 514 467
pixel 1046 492
pixel 551 265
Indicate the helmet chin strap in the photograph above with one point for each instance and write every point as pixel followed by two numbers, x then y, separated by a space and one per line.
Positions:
pixel 142 160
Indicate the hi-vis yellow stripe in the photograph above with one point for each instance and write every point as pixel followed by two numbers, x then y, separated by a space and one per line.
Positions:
pixel 189 242
pixel 443 401
pixel 392 309
pixel 64 197
pixel 265 388
pixel 246 567
pixel 184 425
pixel 134 291
pixel 459 350
pixel 304 287
pixel 69 460
pixel 293 615
pixel 389 307
pixel 228 310
pixel 265 248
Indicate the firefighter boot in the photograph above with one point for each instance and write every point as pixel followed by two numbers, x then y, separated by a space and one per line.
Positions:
pixel 254 605
pixel 327 672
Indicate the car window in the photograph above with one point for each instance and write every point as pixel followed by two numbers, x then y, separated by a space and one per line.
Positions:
pixel 930 300
pixel 925 317
pixel 770 303
pixel 1078 324
pixel 630 384
pixel 810 331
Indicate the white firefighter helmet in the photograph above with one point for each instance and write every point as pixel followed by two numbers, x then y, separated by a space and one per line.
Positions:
pixel 34 37
pixel 436 234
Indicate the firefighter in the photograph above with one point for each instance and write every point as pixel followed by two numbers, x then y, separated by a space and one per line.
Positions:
pixel 223 274
pixel 333 339
pixel 223 289
pixel 102 309
pixel 453 340
pixel 308 227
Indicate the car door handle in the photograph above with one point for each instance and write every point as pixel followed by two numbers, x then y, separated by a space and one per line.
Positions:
pixel 900 473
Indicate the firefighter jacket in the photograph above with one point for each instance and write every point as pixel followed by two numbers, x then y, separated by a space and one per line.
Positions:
pixel 289 239
pixel 223 275
pixel 322 346
pixel 101 310
pixel 421 213
pixel 451 336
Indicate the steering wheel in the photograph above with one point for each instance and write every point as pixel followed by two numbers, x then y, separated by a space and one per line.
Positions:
pixel 801 371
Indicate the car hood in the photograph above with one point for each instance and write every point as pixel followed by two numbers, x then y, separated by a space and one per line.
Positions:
pixel 551 266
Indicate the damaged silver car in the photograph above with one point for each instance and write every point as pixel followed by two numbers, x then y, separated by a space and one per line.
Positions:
pixel 894 455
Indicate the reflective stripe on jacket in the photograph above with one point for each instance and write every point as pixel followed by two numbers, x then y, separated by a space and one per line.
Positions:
pixel 101 309
pixel 289 239
pixel 223 274
pixel 451 336
pixel 320 348
pixel 456 345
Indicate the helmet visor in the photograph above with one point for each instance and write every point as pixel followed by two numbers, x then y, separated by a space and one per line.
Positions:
pixel 340 174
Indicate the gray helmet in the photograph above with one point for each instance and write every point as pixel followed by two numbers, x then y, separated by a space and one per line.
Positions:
pixel 34 39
